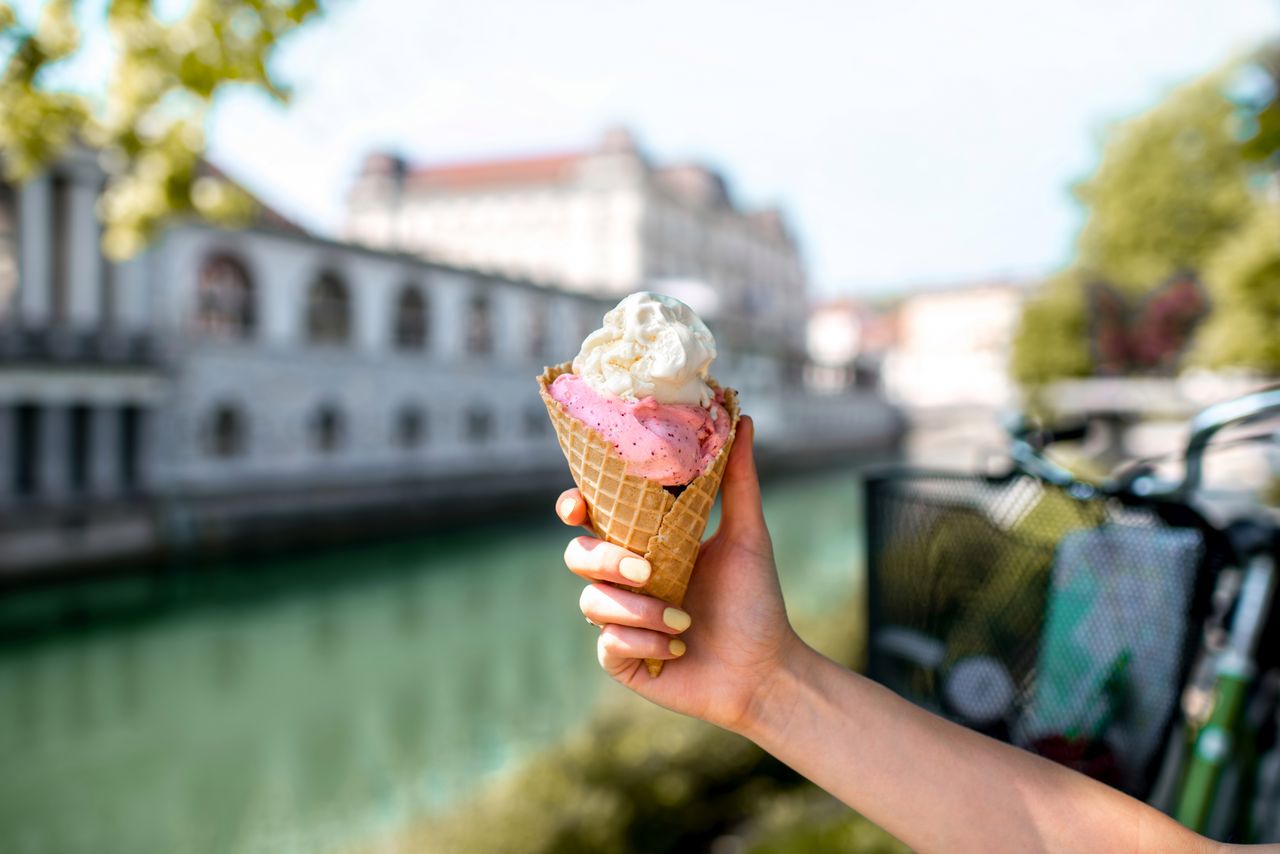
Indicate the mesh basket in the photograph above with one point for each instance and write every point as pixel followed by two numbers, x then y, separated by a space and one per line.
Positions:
pixel 1063 626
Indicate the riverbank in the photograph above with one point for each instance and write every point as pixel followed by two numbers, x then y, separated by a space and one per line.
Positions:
pixel 53 544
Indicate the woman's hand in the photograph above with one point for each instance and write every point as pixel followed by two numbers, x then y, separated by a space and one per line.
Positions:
pixel 730 640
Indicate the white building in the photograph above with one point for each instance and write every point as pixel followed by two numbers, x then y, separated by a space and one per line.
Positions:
pixel 604 221
pixel 236 376
pixel 952 347
pixel 230 386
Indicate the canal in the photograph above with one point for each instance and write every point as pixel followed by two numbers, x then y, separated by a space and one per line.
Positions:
pixel 309 703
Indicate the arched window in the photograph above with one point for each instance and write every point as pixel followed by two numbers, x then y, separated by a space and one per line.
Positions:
pixel 327 429
pixel 227 432
pixel 411 320
pixel 479 424
pixel 410 428
pixel 539 329
pixel 224 298
pixel 479 326
pixel 328 311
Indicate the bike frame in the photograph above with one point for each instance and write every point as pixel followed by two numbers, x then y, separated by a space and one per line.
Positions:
pixel 1218 742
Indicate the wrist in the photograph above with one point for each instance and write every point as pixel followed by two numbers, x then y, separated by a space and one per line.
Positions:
pixel 777 699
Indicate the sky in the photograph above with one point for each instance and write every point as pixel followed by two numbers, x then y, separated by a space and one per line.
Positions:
pixel 910 143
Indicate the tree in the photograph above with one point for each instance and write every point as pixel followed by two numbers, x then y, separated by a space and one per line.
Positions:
pixel 1171 186
pixel 1256 93
pixel 1052 339
pixel 150 124
pixel 1244 282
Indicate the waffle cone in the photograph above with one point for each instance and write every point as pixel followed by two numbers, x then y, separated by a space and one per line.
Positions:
pixel 636 513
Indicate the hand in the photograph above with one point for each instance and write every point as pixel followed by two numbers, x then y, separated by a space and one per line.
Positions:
pixel 732 637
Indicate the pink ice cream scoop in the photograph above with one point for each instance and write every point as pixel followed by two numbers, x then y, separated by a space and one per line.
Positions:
pixel 671 443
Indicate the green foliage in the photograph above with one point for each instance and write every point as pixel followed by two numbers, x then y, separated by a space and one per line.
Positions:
pixel 1051 340
pixel 1171 185
pixel 639 778
pixel 150 126
pixel 809 820
pixel 1243 278
pixel 1260 107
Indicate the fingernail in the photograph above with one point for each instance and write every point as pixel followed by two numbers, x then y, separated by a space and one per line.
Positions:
pixel 567 507
pixel 676 619
pixel 634 569
pixel 676 646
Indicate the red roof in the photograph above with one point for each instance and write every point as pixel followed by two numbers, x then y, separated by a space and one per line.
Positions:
pixel 527 170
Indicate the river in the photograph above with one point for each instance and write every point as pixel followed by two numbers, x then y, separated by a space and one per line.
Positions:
pixel 307 703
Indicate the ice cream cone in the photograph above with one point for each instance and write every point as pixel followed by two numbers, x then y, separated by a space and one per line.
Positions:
pixel 637 513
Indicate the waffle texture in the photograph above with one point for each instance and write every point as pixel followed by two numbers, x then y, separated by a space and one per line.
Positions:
pixel 634 512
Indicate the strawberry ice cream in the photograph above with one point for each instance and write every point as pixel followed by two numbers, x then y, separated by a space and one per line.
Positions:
pixel 641 382
pixel 669 443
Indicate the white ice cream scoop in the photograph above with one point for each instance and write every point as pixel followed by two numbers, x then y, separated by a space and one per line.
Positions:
pixel 651 345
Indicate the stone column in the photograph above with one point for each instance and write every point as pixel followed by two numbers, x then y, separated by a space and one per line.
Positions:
pixel 104 451
pixel 34 248
pixel 53 425
pixel 84 267
pixel 449 317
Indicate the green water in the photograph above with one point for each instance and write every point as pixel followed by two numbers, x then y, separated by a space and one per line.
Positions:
pixel 310 703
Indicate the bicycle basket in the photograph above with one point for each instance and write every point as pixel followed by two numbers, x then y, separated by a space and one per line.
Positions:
pixel 1063 626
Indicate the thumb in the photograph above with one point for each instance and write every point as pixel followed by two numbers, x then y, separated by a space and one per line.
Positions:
pixel 742 513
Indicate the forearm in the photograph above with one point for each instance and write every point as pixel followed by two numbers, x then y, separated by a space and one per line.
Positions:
pixel 938 786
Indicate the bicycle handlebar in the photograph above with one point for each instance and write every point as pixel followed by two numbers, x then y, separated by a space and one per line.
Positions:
pixel 1204 426
pixel 1030 441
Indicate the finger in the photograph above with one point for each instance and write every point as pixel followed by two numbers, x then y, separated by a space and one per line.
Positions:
pixel 596 560
pixel 607 605
pixel 740 492
pixel 619 647
pixel 570 507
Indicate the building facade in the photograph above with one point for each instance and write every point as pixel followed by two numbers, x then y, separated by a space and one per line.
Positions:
pixel 231 386
pixel 604 221
pixel 952 347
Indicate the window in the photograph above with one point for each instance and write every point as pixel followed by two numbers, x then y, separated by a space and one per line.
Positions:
pixel 79 435
pixel 327 429
pixel 227 432
pixel 328 311
pixel 132 427
pixel 536 421
pixel 479 424
pixel 26 448
pixel 224 299
pixel 479 326
pixel 539 329
pixel 411 320
pixel 410 428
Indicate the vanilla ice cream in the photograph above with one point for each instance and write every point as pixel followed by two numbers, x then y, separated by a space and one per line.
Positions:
pixel 651 345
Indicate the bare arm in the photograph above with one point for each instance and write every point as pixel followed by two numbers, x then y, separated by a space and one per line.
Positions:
pixel 738 664
pixel 936 785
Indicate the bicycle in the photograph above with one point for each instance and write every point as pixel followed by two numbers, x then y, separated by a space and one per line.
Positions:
pixel 1062 616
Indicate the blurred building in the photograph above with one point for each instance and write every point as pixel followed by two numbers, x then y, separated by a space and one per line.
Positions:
pixel 232 386
pixel 846 340
pixel 605 221
pixel 937 348
pixel 952 346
